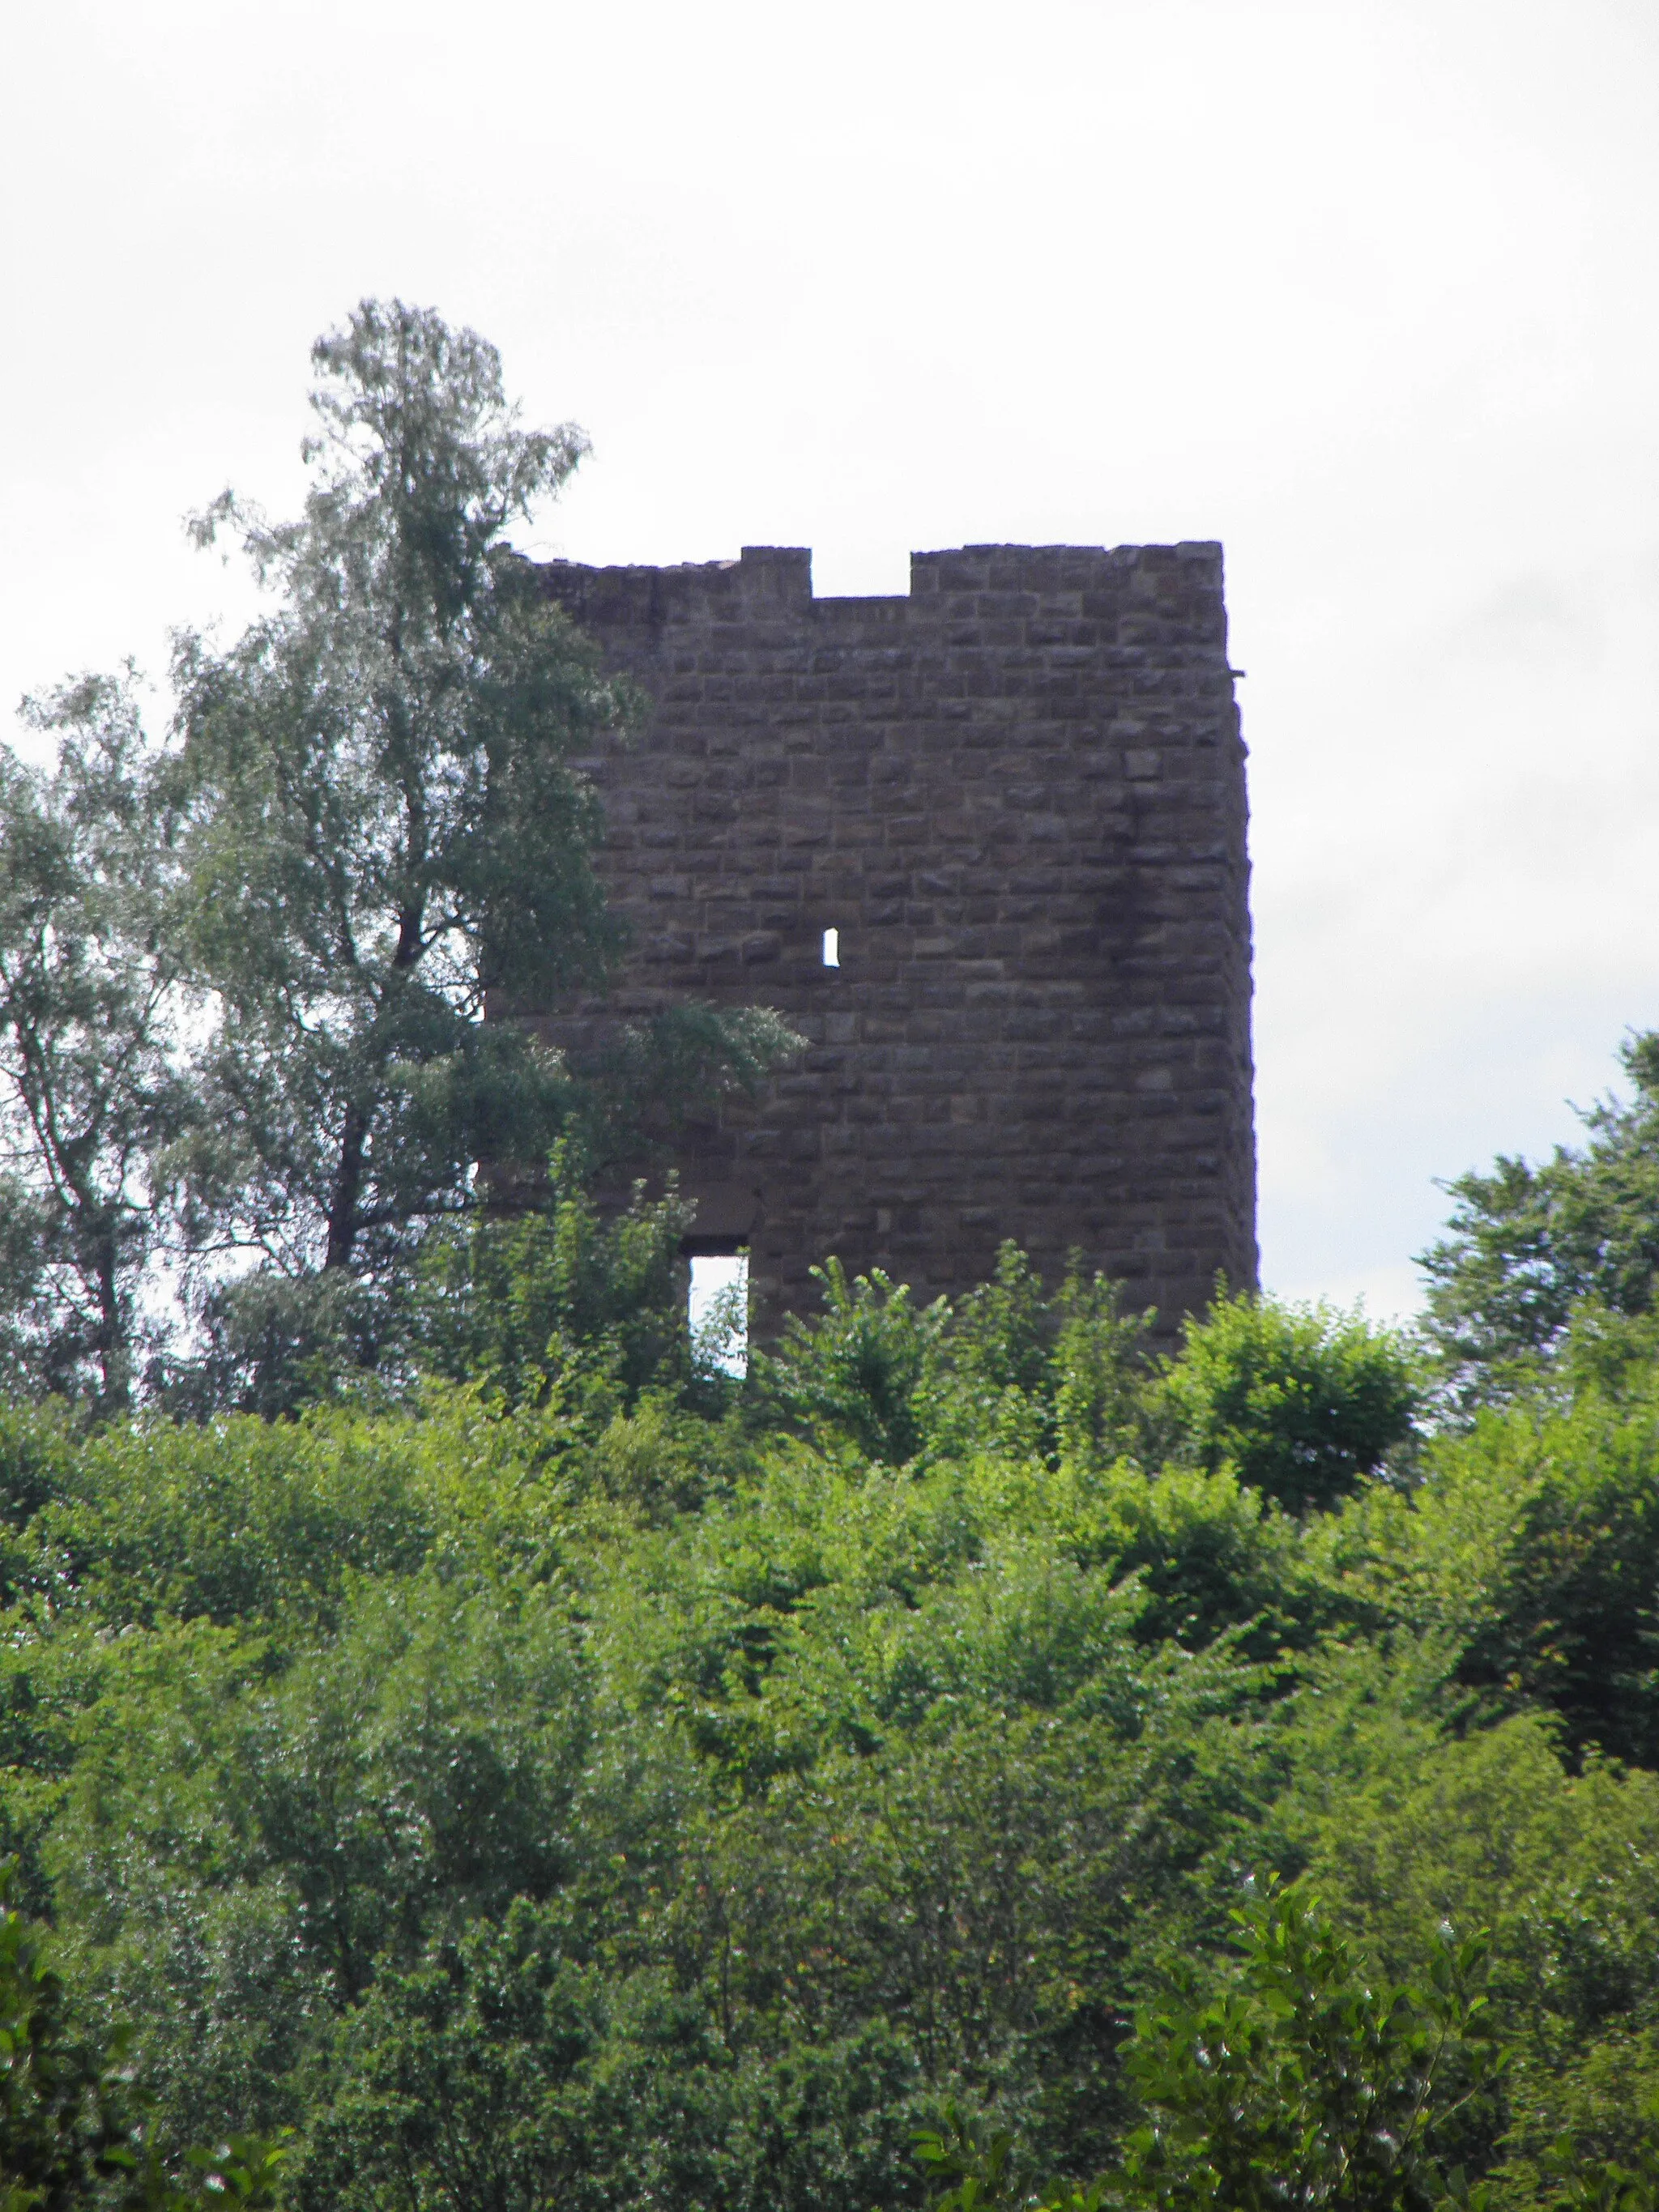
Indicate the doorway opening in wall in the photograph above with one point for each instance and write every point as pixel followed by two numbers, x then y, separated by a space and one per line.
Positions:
pixel 718 1303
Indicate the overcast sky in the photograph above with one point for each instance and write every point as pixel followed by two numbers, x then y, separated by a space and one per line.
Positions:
pixel 1367 291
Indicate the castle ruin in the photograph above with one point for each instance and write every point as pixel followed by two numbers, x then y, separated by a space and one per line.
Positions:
pixel 1017 797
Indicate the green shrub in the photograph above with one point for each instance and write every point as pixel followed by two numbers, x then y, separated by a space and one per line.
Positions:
pixel 1300 1402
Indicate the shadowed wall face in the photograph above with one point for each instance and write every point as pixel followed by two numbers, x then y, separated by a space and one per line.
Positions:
pixel 1017 798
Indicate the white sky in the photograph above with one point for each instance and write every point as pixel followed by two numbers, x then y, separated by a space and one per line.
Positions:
pixel 1365 290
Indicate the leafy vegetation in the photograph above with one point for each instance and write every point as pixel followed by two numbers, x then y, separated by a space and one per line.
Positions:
pixel 599 1777
pixel 1305 2081
pixel 1530 1247
pixel 245 1076
pixel 73 2127
pixel 90 993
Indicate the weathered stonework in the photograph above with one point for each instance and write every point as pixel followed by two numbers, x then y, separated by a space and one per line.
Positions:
pixel 1019 796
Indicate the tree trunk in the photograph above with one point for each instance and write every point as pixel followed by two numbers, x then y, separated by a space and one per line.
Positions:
pixel 110 1342
pixel 347 1184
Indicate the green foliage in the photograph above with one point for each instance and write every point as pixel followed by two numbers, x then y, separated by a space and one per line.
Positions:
pixel 243 981
pixel 1303 2082
pixel 576 1784
pixel 1026 1374
pixel 1569 1617
pixel 93 1095
pixel 1575 2172
pixel 1299 1405
pixel 582 1779
pixel 1529 1557
pixel 1100 1395
pixel 506 2069
pixel 73 2126
pixel 971 2166
pixel 1528 1245
pixel 383 825
pixel 852 1376
pixel 1011 1370
pixel 1300 1402
pixel 1065 1378
pixel 563 1299
pixel 65 2117
pixel 1308 2081
pixel 457 2075
pixel 1208 1556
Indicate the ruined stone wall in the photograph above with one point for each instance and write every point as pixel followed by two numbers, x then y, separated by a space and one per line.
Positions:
pixel 1019 796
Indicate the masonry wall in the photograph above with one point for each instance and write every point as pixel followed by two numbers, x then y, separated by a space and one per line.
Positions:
pixel 1019 796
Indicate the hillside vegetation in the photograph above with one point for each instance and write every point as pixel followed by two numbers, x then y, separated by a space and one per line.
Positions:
pixel 595 1779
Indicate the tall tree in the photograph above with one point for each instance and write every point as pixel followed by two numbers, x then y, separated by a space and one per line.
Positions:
pixel 92 1093
pixel 385 825
pixel 1527 1245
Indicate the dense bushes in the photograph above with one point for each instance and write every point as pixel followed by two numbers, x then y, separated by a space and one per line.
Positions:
pixel 602 1778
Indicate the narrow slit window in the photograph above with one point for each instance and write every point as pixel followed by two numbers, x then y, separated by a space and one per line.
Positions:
pixel 832 948
pixel 720 1310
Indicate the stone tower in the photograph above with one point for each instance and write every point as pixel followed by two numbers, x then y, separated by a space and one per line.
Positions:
pixel 1016 795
